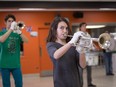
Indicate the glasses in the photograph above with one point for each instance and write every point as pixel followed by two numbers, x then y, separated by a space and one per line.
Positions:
pixel 10 20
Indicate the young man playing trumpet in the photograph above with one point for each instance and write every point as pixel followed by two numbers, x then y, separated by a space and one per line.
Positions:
pixel 10 52
pixel 107 54
pixel 82 27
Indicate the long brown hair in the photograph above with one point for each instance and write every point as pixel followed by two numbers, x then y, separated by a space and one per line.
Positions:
pixel 53 29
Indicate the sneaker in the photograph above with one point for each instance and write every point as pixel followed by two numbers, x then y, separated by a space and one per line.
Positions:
pixel 91 85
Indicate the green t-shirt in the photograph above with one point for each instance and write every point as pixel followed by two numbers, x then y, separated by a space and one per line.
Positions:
pixel 10 51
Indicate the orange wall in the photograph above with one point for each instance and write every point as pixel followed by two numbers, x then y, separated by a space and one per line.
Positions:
pixel 30 60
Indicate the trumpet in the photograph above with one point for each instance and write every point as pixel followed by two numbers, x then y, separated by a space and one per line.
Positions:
pixel 106 41
pixel 19 25
pixel 68 35
pixel 72 36
pixel 84 43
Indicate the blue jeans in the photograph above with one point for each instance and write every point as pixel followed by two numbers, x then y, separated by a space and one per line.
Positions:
pixel 108 62
pixel 17 75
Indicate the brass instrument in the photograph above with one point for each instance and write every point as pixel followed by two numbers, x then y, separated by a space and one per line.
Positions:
pixel 86 43
pixel 20 25
pixel 106 41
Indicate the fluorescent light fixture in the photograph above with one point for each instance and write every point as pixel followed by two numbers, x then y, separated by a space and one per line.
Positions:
pixel 31 9
pixel 94 26
pixel 107 9
pixel 53 9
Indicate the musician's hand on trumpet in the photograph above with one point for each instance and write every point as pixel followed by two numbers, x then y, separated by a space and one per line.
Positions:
pixel 82 41
pixel 17 26
pixel 13 25
pixel 18 31
pixel 75 38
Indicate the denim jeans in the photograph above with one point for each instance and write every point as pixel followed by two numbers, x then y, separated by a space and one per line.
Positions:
pixel 17 75
pixel 108 62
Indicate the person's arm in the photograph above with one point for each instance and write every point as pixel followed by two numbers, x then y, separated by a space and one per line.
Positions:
pixel 24 38
pixel 82 60
pixel 61 51
pixel 5 36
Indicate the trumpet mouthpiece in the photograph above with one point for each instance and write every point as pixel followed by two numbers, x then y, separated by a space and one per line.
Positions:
pixel 68 35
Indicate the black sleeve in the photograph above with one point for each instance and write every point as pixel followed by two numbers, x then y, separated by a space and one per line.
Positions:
pixel 51 48
pixel 77 59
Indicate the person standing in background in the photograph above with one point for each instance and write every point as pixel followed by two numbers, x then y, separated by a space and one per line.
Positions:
pixel 63 54
pixel 107 54
pixel 82 27
pixel 10 52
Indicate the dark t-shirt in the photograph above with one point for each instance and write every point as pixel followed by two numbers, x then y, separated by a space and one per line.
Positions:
pixel 66 72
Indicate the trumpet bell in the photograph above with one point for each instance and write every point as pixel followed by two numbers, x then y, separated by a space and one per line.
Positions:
pixel 106 42
pixel 20 25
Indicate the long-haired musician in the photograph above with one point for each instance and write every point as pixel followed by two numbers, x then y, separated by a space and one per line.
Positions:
pixel 65 58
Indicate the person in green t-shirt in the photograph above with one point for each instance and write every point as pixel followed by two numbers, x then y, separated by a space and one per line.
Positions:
pixel 10 52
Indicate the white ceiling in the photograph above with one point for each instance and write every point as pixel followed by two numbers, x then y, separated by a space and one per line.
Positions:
pixel 57 5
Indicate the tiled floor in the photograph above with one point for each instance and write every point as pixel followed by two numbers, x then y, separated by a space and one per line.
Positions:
pixel 99 78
